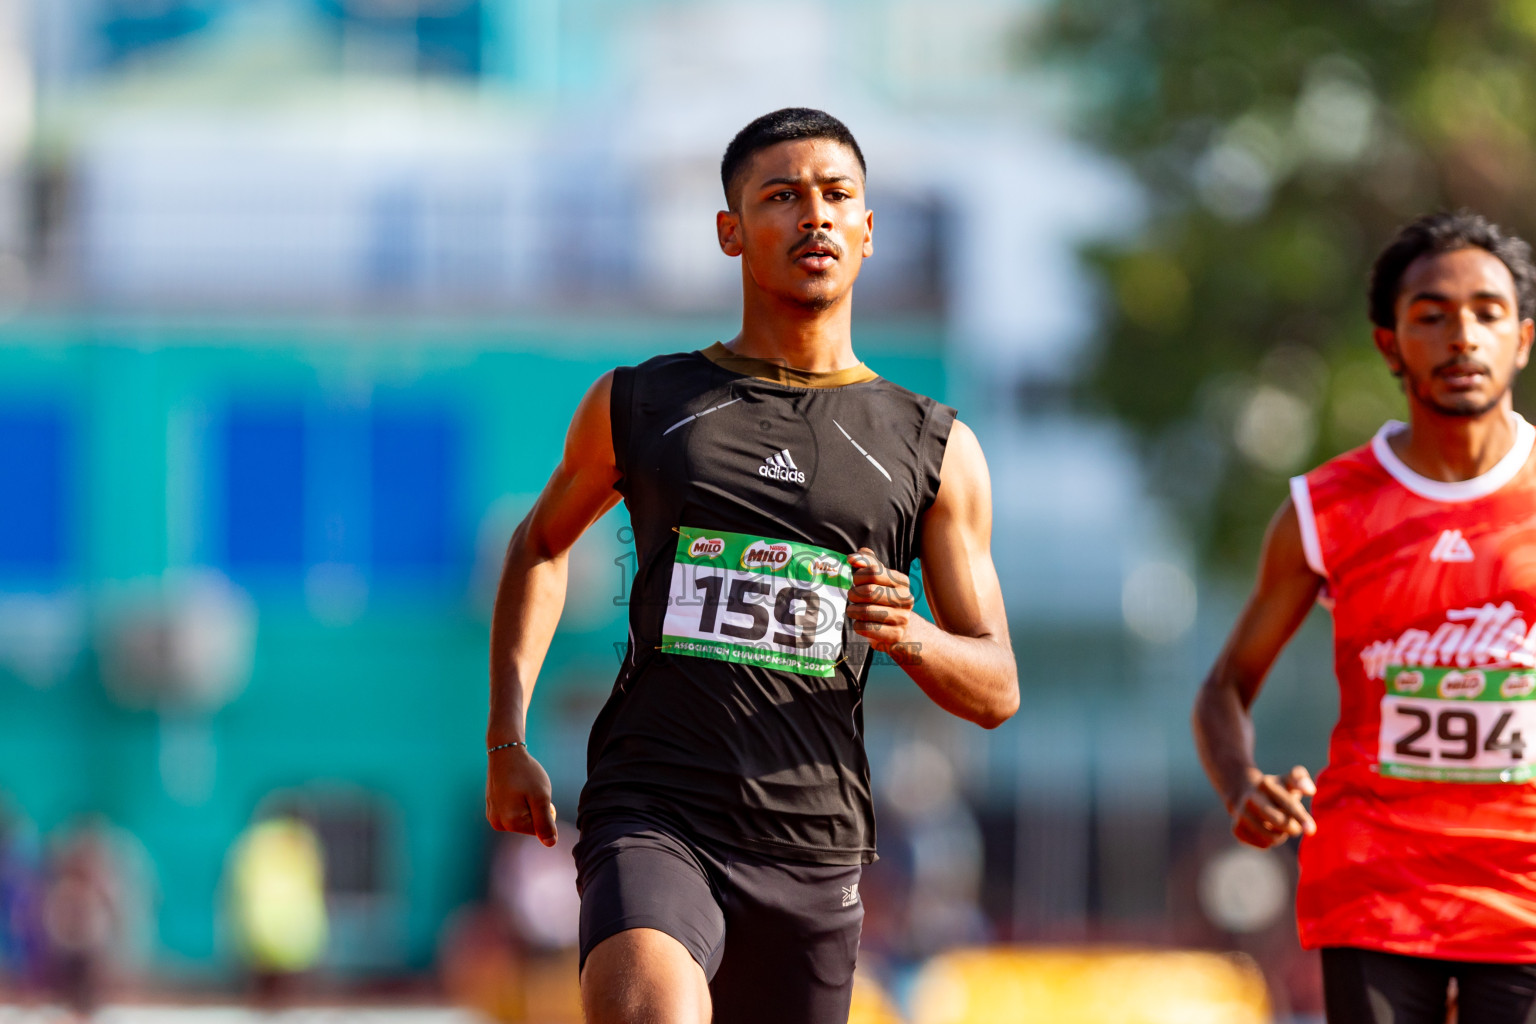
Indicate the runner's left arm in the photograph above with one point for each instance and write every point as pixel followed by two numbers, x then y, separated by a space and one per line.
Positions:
pixel 1266 809
pixel 963 659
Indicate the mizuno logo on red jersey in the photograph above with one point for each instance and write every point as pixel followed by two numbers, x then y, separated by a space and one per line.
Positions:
pixel 1493 635
pixel 1451 547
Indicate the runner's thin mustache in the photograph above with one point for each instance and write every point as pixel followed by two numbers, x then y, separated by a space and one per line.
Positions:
pixel 1451 365
pixel 820 238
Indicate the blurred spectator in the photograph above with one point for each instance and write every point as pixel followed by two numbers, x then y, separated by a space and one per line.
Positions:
pixel 278 903
pixel 535 888
pixel 481 964
pixel 514 958
pixel 85 915
pixel 22 946
pixel 885 889
pixel 944 848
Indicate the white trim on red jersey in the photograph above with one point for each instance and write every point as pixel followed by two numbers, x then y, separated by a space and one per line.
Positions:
pixel 1301 498
pixel 1454 490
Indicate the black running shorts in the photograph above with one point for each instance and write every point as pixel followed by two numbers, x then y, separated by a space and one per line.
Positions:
pixel 1363 986
pixel 776 939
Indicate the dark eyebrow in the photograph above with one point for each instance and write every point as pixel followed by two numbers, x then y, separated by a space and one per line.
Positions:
pixel 1484 295
pixel 831 179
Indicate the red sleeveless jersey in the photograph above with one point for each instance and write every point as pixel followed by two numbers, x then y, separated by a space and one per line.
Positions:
pixel 1426 813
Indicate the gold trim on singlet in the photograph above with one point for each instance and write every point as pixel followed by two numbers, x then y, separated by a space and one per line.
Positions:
pixel 780 374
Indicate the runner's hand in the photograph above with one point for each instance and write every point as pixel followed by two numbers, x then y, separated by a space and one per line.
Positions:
pixel 880 601
pixel 1270 811
pixel 517 795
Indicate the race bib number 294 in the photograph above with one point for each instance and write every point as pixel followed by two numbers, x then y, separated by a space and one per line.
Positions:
pixel 757 601
pixel 1459 725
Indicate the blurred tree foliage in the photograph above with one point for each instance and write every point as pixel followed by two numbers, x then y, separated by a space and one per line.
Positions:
pixel 1279 145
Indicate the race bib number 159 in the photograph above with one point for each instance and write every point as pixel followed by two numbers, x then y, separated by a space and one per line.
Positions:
pixel 1458 725
pixel 756 601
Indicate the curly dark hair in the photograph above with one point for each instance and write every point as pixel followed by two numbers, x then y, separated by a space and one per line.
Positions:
pixel 1443 232
pixel 784 125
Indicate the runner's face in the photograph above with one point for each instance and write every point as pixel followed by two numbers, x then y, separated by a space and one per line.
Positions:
pixel 1459 340
pixel 801 227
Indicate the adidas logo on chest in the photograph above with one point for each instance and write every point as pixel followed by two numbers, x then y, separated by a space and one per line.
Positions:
pixel 1451 547
pixel 781 466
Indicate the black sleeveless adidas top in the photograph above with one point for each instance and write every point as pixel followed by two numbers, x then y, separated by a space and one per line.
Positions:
pixel 755 756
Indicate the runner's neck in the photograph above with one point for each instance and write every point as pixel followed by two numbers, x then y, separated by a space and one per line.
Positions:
pixel 1453 450
pixel 779 373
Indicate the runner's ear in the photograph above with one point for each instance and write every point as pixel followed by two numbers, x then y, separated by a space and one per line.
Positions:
pixel 1386 343
pixel 728 231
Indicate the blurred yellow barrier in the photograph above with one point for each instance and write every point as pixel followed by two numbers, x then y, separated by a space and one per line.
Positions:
pixel 871 1005
pixel 1063 986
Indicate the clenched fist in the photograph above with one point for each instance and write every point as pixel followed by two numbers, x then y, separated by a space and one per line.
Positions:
pixel 1270 811
pixel 517 795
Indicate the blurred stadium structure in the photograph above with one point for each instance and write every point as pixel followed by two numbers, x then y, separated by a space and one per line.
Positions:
pixel 296 297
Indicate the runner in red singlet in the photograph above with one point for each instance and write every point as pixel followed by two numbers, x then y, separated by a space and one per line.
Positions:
pixel 1419 862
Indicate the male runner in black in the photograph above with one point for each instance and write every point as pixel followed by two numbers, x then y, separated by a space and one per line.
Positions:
pixel 779 490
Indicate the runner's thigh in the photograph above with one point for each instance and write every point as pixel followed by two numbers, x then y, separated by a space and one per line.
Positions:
pixel 792 937
pixel 1496 993
pixel 631 874
pixel 1363 986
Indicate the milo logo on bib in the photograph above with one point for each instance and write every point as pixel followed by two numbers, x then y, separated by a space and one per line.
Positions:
pixel 1466 685
pixel 706 547
pixel 756 601
pixel 762 555
pixel 825 565
pixel 1519 684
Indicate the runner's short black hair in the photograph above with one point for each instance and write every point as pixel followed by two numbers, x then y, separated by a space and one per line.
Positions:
pixel 784 125
pixel 1436 233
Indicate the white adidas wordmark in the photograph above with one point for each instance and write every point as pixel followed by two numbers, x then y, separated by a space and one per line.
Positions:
pixel 1451 547
pixel 781 466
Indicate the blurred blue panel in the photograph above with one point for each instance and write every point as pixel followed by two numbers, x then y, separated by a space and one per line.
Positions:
pixel 445 36
pixel 449 38
pixel 414 476
pixel 130 26
pixel 33 498
pixel 336 506
pixel 264 489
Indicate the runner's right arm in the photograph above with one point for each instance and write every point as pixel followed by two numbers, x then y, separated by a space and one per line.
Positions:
pixel 529 599
pixel 1265 809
